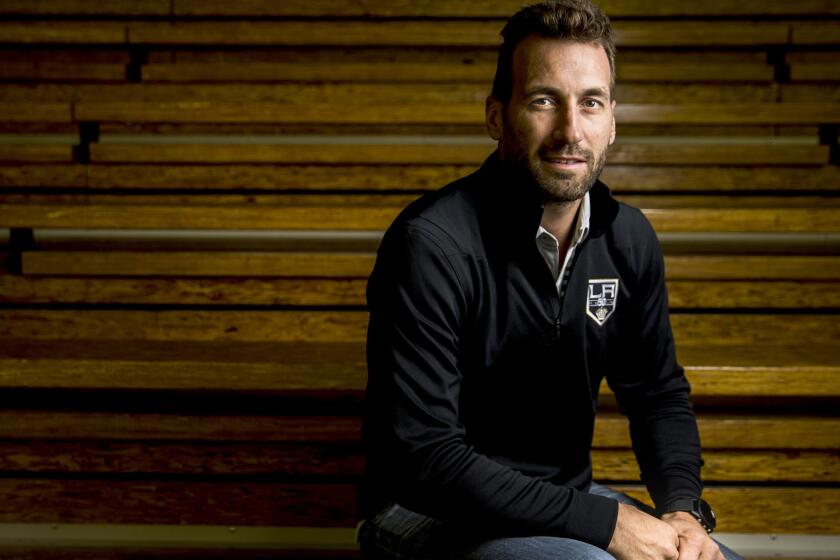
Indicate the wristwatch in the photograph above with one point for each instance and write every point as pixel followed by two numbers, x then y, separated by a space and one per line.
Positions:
pixel 700 509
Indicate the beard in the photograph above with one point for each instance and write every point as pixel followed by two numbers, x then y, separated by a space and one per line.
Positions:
pixel 556 186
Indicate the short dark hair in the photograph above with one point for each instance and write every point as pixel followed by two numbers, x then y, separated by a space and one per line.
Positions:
pixel 576 20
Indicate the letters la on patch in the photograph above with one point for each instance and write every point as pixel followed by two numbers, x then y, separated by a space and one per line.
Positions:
pixel 601 299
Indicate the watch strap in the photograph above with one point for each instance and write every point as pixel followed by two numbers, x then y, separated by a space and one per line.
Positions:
pixel 698 508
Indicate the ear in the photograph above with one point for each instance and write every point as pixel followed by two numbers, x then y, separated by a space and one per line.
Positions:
pixel 493 117
pixel 612 130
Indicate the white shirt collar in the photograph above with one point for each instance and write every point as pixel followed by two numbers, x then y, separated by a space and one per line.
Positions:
pixel 581 225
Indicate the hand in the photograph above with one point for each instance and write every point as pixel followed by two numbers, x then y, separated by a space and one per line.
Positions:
pixel 695 542
pixel 639 536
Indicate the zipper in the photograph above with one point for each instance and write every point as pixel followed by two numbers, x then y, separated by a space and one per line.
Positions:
pixel 564 284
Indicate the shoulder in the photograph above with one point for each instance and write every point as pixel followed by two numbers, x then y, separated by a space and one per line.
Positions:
pixel 448 217
pixel 635 243
pixel 631 226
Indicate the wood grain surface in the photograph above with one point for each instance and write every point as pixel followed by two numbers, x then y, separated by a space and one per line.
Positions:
pixel 794 510
pixel 331 264
pixel 672 153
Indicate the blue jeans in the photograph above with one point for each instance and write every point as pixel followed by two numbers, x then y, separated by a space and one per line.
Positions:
pixel 396 533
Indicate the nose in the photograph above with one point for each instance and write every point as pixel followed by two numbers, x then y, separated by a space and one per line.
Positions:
pixel 567 126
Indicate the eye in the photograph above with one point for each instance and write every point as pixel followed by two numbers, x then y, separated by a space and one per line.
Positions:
pixel 592 103
pixel 542 102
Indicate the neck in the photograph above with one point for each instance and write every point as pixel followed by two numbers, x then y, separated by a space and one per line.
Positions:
pixel 559 218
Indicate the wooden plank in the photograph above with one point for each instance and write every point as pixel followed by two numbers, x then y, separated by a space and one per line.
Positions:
pixel 814 73
pixel 80 7
pixel 728 330
pixel 232 290
pixel 442 55
pixel 200 217
pixel 270 112
pixel 444 71
pixel 206 111
pixel 359 265
pixel 703 294
pixel 729 381
pixel 232 459
pixel 307 460
pixel 702 178
pixel 777 372
pixel 672 34
pixel 41 71
pixel 719 432
pixel 450 33
pixel 28 175
pixel 694 72
pixel 36 152
pixel 426 94
pixel 303 94
pixel 805 92
pixel 386 71
pixel 794 220
pixel 417 177
pixel 732 466
pixel 309 547
pixel 376 218
pixel 194 502
pixel 688 154
pixel 321 291
pixel 789 510
pixel 747 267
pixel 278 177
pixel 344 154
pixel 63 32
pixel 72 56
pixel 765 113
pixel 466 154
pixel 714 369
pixel 46 111
pixel 476 130
pixel 324 32
pixel 769 510
pixel 722 432
pixel 305 375
pixel 502 8
pixel 176 428
pixel 187 263
pixel 724 330
pixel 233 326
pixel 815 33
pixel 758 371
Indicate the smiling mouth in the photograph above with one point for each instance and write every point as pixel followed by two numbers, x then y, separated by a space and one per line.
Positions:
pixel 565 161
pixel 560 158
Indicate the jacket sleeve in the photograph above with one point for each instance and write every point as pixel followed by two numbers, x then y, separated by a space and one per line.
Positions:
pixel 419 311
pixel 651 388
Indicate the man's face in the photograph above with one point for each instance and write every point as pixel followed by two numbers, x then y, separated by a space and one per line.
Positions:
pixel 559 120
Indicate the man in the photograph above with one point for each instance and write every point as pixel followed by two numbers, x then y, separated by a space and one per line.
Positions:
pixel 497 306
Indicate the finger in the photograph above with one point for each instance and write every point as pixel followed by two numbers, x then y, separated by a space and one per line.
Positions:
pixel 690 550
pixel 711 551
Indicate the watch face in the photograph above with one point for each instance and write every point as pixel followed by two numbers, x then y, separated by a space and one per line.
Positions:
pixel 705 511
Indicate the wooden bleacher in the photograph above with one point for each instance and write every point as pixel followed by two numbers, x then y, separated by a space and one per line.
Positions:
pixel 193 193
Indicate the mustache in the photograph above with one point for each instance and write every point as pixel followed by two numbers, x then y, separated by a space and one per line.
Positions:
pixel 567 152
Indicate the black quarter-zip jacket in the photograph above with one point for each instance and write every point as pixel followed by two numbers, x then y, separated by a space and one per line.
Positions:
pixel 483 382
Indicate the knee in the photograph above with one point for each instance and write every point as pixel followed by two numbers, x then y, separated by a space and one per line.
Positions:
pixel 536 548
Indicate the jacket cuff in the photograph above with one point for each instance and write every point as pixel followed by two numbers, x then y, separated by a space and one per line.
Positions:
pixel 674 489
pixel 592 519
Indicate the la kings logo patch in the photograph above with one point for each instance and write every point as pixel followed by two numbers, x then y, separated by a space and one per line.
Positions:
pixel 601 299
